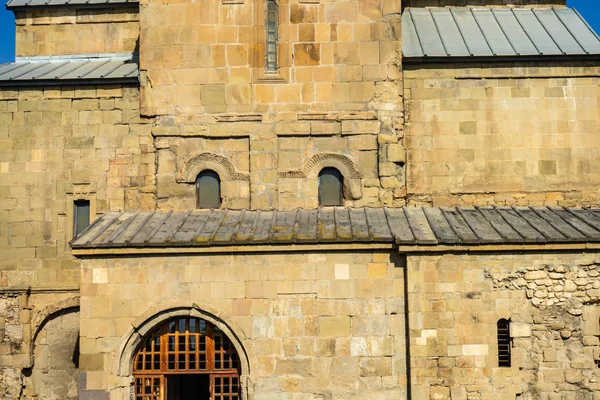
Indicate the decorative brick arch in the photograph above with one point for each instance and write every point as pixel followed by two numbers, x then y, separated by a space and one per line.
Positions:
pixel 145 323
pixel 342 163
pixel 221 165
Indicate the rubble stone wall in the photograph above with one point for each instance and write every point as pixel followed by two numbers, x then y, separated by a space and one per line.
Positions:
pixel 455 302
pixel 521 134
pixel 38 341
pixel 77 31
pixel 320 325
pixel 57 145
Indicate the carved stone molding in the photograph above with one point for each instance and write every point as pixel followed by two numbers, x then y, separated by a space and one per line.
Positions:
pixel 221 165
pixel 342 163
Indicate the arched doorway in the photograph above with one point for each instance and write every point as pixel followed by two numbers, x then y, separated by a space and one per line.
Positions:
pixel 186 358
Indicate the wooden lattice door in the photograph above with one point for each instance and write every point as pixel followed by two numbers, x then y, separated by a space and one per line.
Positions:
pixel 186 346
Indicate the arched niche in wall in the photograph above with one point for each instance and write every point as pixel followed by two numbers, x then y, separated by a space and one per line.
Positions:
pixel 55 371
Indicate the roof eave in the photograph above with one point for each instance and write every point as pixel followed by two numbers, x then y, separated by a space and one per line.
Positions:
pixel 70 6
pixel 67 82
pixel 496 59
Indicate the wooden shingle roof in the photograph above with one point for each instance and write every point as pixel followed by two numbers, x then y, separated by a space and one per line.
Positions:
pixel 406 226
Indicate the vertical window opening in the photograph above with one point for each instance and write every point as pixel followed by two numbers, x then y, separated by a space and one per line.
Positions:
pixel 272 28
pixel 208 190
pixel 330 187
pixel 81 216
pixel 504 343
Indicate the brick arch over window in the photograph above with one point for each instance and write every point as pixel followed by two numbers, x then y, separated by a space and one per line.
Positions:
pixel 221 165
pixel 352 178
pixel 156 316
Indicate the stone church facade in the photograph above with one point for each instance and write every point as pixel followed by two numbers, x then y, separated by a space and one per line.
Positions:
pixel 300 199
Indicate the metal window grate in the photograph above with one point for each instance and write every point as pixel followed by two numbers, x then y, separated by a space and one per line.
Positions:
pixel 272 28
pixel 504 343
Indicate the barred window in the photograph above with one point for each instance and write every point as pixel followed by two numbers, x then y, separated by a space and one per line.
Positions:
pixel 208 190
pixel 330 187
pixel 272 29
pixel 503 343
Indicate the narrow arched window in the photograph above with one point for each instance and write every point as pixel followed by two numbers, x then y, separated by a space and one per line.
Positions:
pixel 330 187
pixel 208 189
pixel 503 343
pixel 272 29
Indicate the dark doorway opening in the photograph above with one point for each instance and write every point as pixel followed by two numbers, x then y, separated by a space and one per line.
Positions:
pixel 188 387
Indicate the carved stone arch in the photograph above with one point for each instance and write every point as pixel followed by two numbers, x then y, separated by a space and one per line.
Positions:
pixel 49 312
pixel 221 165
pixel 342 163
pixel 145 323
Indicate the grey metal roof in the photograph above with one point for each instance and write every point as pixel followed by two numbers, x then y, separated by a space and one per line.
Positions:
pixel 489 32
pixel 11 4
pixel 69 70
pixel 408 225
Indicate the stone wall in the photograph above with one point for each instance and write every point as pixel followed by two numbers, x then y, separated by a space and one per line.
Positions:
pixel 77 31
pixel 502 134
pixel 58 145
pixel 338 82
pixel 455 301
pixel 318 325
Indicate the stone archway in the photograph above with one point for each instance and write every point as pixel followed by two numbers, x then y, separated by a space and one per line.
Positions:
pixel 155 325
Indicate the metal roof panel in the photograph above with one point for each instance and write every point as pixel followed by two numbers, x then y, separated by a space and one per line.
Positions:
pixel 410 38
pixel 474 39
pixel 560 34
pixel 493 32
pixel 581 31
pixel 503 31
pixel 54 3
pixel 428 33
pixel 450 34
pixel 514 32
pixel 61 68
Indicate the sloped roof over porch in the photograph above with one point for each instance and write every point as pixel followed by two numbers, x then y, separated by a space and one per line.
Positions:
pixel 410 226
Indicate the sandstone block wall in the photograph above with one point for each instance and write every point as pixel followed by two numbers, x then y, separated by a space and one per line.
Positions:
pixel 57 145
pixel 319 325
pixel 203 75
pixel 77 31
pixel 455 302
pixel 502 134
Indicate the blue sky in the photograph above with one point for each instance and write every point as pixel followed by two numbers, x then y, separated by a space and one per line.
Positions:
pixel 590 9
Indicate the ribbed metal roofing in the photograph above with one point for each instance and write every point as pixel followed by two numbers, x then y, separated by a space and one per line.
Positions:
pixel 58 3
pixel 477 32
pixel 408 225
pixel 69 69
